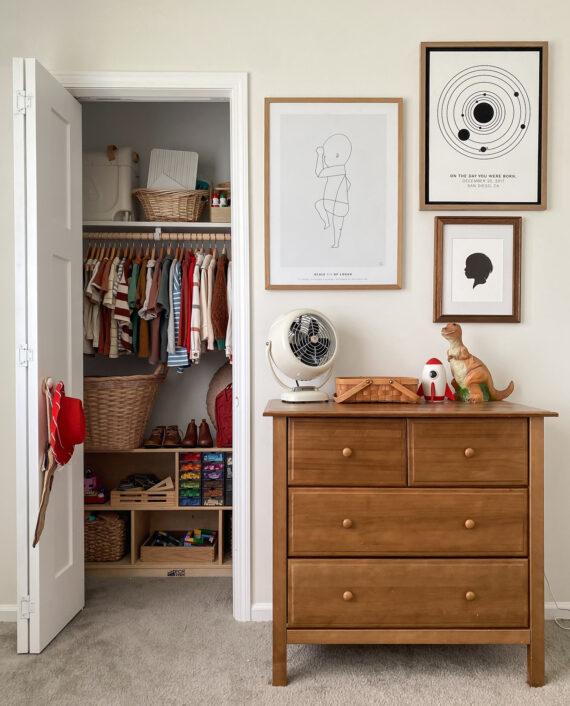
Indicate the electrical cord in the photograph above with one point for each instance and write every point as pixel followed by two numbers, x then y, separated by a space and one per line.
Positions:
pixel 566 610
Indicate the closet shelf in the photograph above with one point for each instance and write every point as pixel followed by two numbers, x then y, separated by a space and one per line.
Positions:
pixel 176 449
pixel 95 507
pixel 151 225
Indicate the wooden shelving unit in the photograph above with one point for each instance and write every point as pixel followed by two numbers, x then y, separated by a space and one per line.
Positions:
pixel 112 466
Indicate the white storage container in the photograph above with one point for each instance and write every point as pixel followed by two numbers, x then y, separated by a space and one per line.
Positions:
pixel 108 182
pixel 173 170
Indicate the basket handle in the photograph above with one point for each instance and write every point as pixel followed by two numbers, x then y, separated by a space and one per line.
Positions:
pixel 404 390
pixel 353 391
pixel 160 370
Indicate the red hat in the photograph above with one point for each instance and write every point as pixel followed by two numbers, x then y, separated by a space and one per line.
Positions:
pixel 67 424
pixel 434 361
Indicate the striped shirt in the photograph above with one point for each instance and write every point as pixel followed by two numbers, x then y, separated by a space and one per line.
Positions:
pixel 178 359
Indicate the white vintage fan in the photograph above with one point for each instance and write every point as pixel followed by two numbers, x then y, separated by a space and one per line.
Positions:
pixel 302 344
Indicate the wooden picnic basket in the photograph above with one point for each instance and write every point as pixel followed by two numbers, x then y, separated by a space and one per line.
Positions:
pixel 376 389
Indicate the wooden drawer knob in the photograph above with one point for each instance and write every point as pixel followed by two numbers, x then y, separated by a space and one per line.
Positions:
pixel 347 524
pixel 470 596
pixel 469 524
pixel 347 452
pixel 469 452
pixel 347 596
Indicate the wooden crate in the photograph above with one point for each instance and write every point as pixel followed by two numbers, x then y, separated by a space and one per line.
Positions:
pixel 220 214
pixel 178 555
pixel 162 495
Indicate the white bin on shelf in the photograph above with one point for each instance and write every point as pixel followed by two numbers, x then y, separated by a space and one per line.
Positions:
pixel 108 181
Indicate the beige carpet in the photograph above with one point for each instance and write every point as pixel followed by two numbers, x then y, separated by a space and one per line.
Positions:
pixel 173 641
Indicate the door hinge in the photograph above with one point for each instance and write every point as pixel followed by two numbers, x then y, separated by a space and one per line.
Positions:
pixel 22 102
pixel 25 355
pixel 26 608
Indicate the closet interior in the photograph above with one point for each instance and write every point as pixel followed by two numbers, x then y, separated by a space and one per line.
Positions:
pixel 157 338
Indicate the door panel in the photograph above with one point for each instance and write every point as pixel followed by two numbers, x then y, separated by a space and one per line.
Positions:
pixel 52 204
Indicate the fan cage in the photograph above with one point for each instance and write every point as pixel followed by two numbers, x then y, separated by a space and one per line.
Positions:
pixel 312 340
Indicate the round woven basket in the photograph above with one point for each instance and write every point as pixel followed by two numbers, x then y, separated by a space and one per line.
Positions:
pixel 117 409
pixel 105 537
pixel 172 205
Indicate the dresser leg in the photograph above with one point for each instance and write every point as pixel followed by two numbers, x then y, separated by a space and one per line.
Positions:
pixel 535 662
pixel 279 656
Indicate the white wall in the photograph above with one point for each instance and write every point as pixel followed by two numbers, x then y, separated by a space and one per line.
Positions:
pixel 328 48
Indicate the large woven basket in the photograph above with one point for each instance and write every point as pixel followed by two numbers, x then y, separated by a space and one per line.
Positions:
pixel 378 389
pixel 161 205
pixel 105 537
pixel 117 409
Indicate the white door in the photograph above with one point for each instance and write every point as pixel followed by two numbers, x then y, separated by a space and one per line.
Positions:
pixel 47 167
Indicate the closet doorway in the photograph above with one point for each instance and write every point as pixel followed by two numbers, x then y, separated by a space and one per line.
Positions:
pixel 48 229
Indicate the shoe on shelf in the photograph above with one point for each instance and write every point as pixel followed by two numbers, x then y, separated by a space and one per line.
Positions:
pixel 205 440
pixel 156 438
pixel 172 437
pixel 191 438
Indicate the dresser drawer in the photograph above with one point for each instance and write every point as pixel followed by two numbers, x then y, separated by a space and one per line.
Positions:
pixel 408 593
pixel 468 452
pixel 407 522
pixel 348 452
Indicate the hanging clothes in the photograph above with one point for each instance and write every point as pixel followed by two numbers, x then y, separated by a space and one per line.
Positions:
pixel 178 359
pixel 220 302
pixel 167 309
pixel 195 328
pixel 229 341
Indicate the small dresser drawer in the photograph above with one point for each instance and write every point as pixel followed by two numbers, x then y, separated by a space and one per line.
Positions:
pixel 468 452
pixel 408 593
pixel 347 452
pixel 407 522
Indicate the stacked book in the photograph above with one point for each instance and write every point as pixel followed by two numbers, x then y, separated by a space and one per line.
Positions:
pixel 190 477
pixel 213 478
pixel 229 478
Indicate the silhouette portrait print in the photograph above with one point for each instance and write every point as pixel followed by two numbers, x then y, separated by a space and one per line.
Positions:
pixel 478 267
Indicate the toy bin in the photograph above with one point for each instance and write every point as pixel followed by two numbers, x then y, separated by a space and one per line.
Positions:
pixel 109 178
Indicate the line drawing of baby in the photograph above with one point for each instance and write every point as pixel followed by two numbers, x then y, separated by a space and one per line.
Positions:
pixel 332 157
pixel 478 267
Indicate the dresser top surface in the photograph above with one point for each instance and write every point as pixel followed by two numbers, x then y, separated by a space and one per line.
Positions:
pixel 434 410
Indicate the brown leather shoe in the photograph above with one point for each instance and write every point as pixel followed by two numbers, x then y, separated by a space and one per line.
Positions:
pixel 205 440
pixel 191 438
pixel 172 437
pixel 156 438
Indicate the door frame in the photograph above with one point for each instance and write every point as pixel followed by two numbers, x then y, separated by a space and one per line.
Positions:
pixel 157 86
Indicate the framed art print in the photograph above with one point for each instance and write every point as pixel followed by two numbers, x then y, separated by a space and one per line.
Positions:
pixel 477 271
pixel 333 193
pixel 483 125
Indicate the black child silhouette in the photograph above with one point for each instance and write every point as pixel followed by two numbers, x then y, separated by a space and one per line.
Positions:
pixel 478 267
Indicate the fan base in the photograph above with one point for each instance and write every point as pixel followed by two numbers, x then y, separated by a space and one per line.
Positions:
pixel 304 395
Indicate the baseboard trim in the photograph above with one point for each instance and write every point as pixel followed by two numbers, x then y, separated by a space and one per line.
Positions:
pixel 552 612
pixel 8 613
pixel 262 612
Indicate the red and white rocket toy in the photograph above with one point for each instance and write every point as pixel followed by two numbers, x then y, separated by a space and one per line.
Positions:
pixel 433 386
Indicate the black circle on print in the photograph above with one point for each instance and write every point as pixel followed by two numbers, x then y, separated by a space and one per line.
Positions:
pixel 483 112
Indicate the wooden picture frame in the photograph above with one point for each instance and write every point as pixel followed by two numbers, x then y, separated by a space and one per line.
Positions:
pixel 444 276
pixel 494 181
pixel 393 232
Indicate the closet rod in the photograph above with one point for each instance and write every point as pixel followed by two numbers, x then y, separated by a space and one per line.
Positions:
pixel 159 236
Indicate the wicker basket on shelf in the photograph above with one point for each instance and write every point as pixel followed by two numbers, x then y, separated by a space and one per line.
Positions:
pixel 105 537
pixel 117 409
pixel 162 205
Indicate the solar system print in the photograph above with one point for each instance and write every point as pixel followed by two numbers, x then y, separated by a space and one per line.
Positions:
pixel 483 113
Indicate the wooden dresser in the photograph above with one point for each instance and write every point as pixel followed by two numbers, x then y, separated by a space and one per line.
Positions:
pixel 396 523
